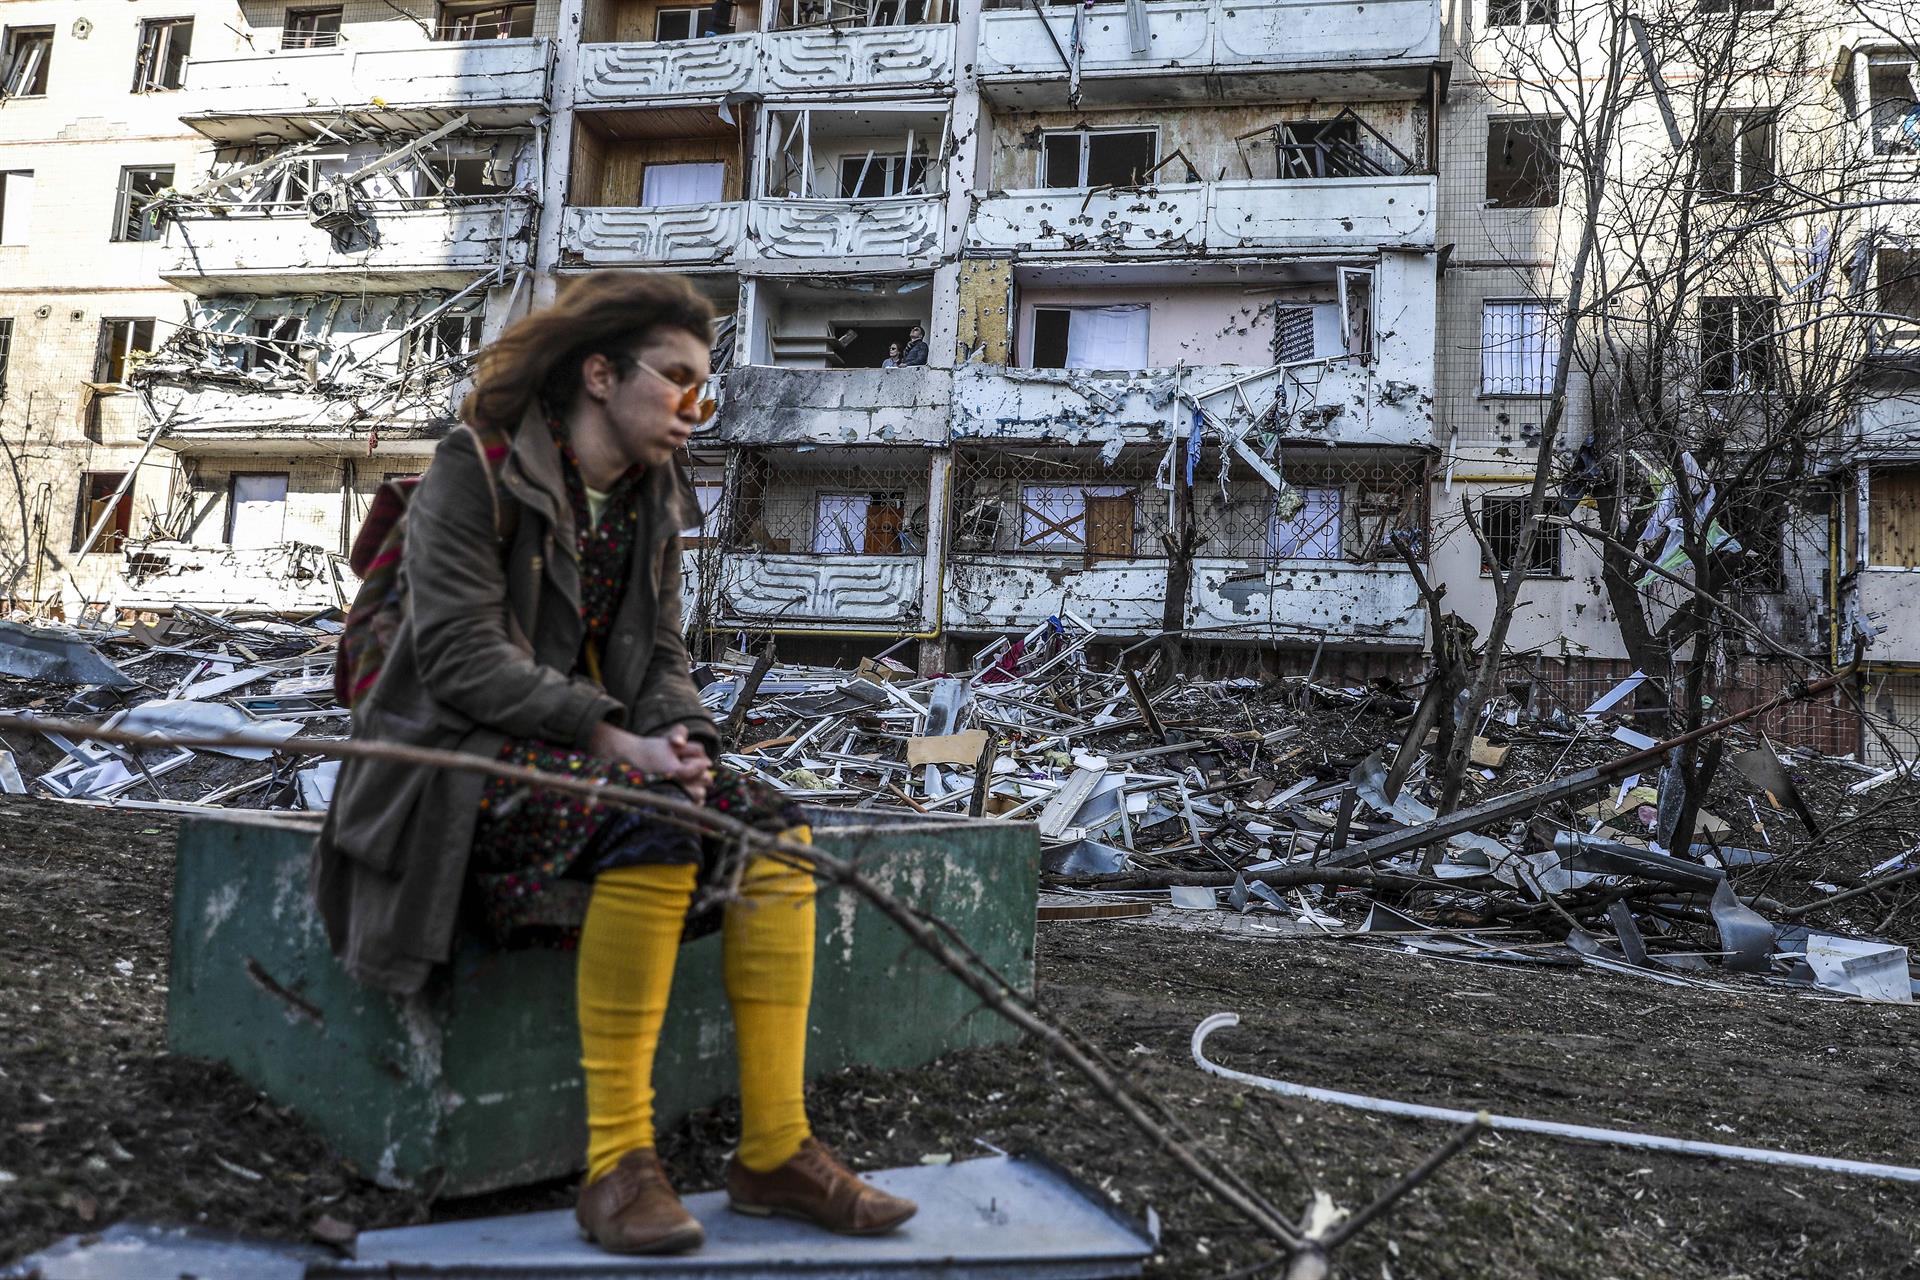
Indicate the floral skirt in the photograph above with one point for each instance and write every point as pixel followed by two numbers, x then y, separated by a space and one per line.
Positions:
pixel 536 851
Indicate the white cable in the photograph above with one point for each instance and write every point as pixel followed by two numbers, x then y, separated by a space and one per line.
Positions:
pixel 1548 1128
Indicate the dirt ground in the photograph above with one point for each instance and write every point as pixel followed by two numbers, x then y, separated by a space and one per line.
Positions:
pixel 99 1123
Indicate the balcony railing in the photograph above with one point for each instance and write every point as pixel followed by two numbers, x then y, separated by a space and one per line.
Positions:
pixel 861 60
pixel 394 250
pixel 497 81
pixel 1191 41
pixel 845 592
pixel 771 230
pixel 1213 218
pixel 681 236
pixel 1346 402
pixel 1232 599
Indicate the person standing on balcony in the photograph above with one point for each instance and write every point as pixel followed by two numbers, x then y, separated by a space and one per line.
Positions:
pixel 540 626
pixel 893 356
pixel 916 352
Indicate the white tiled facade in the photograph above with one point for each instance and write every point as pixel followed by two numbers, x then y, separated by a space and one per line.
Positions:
pixel 1158 219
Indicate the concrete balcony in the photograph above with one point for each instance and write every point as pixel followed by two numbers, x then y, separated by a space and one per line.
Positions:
pixel 682 237
pixel 858 61
pixel 1285 601
pixel 835 593
pixel 1886 599
pixel 889 232
pixel 1213 49
pixel 1210 219
pixel 770 406
pixel 499 83
pixel 220 419
pixel 1344 402
pixel 405 249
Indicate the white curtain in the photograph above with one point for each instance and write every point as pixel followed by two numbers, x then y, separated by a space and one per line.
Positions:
pixel 259 510
pixel 673 184
pixel 840 524
pixel 1107 338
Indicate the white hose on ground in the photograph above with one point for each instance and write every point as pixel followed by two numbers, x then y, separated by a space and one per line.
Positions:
pixel 1548 1128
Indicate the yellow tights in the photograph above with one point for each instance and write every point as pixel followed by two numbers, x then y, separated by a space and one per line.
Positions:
pixel 628 945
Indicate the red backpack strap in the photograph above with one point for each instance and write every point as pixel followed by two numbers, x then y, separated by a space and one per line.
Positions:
pixel 493 447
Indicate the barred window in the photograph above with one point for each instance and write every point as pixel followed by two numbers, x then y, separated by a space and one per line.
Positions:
pixel 1311 531
pixel 1501 520
pixel 1515 348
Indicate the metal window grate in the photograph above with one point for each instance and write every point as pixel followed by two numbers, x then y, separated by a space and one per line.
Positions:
pixel 1516 357
pixel 841 502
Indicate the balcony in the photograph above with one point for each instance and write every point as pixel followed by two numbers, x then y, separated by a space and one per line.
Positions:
pixel 855 61
pixel 1232 599
pixel 497 83
pixel 839 593
pixel 1187 220
pixel 220 419
pixel 397 248
pixel 767 405
pixel 681 237
pixel 1348 49
pixel 1346 402
pixel 883 232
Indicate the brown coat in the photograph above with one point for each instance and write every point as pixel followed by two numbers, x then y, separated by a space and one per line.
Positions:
pixel 462 674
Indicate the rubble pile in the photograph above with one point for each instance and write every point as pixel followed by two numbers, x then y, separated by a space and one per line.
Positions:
pixel 189 673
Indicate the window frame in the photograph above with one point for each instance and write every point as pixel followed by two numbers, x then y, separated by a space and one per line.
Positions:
pixel 452 15
pixel 1549 310
pixel 1084 135
pixel 233 500
pixel 106 357
pixel 10 235
pixel 12 54
pixel 123 211
pixel 1333 521
pixel 114 535
pixel 1741 309
pixel 317 38
pixel 693 16
pixel 864 501
pixel 1517 124
pixel 6 352
pixel 1769 124
pixel 1552 538
pixel 145 61
pixel 427 345
pixel 1522 13
pixel 896 183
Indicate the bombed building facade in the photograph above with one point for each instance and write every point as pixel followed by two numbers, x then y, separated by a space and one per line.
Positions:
pixel 1177 313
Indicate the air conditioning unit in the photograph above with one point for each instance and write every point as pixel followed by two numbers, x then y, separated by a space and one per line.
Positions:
pixel 331 206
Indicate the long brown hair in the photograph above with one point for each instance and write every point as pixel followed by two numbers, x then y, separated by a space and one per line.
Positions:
pixel 537 359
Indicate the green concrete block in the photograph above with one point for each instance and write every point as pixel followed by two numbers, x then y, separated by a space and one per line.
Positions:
pixel 474 1083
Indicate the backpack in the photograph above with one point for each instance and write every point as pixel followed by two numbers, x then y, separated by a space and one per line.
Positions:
pixel 374 617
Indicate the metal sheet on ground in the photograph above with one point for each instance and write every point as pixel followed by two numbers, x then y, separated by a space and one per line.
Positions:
pixel 996 1216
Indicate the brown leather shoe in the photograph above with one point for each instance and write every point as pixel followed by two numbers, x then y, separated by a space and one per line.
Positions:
pixel 817 1188
pixel 633 1209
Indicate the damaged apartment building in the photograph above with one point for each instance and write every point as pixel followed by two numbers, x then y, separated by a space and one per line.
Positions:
pixel 1012 295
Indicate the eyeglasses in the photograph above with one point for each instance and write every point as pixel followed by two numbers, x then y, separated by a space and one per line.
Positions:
pixel 690 397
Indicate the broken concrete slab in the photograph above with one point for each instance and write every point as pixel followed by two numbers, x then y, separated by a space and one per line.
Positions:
pixel 57 656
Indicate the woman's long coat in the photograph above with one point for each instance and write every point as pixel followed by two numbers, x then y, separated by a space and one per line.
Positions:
pixel 483 654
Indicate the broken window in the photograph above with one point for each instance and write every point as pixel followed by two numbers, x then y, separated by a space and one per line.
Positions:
pixel 1892 111
pixel 1090 337
pixel 162 61
pixel 677 24
pixel 122 342
pixel 447 338
pixel 479 175
pixel 1516 349
pixel 132 217
pixel 1736 344
pixel 100 494
pixel 6 351
pixel 1096 519
pixel 275 346
pixel 486 21
pixel 1098 157
pixel 27 54
pixel 859 523
pixel 16 206
pixel 1893 517
pixel 1738 153
pixel 709 494
pixel 872 176
pixel 1319 149
pixel 1897 289
pixel 1356 309
pixel 1522 13
pixel 256 509
pixel 1523 162
pixel 317 28
pixel 1757 520
pixel 1501 520
pixel 1311 532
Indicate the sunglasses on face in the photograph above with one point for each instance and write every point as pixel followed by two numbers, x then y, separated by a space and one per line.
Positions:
pixel 690 398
